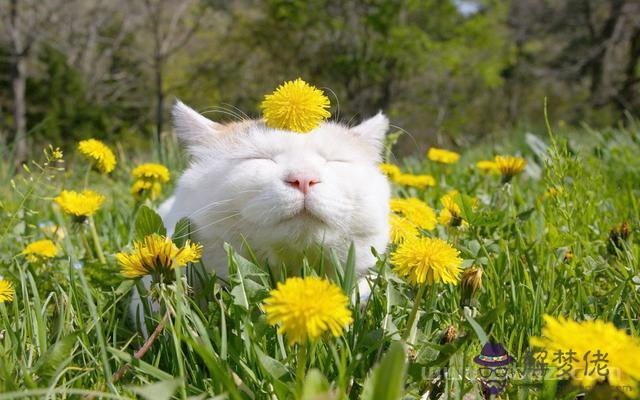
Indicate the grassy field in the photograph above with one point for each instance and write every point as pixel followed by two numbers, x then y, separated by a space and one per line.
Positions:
pixel 559 239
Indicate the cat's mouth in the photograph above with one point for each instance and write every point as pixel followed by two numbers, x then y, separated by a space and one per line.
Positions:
pixel 304 215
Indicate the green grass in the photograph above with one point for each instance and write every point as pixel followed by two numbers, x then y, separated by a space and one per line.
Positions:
pixel 67 330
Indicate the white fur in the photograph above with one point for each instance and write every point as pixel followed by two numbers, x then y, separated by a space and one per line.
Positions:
pixel 236 185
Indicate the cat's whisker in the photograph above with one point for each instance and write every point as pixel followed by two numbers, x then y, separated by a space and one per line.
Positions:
pixel 415 142
pixel 236 108
pixel 353 117
pixel 199 229
pixel 220 202
pixel 209 206
pixel 226 109
pixel 337 117
pixel 223 111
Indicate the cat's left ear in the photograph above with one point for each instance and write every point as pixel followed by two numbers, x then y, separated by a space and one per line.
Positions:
pixel 193 129
pixel 373 129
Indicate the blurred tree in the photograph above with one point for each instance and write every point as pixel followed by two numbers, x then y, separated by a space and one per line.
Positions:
pixel 23 21
pixel 170 25
pixel 590 46
pixel 447 71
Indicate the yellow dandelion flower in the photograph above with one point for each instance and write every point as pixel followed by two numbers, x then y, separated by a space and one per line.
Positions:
pixel 142 188
pixel 450 215
pixel 487 166
pixel 416 211
pixel 101 155
pixel 430 260
pixel 445 217
pixel 509 166
pixel 79 204
pixel 401 229
pixel 443 156
pixel 305 308
pixel 450 201
pixel 151 172
pixel 52 230
pixel 295 106
pixel 6 290
pixel 416 181
pixel 40 249
pixel 587 338
pixel 156 255
pixel 389 170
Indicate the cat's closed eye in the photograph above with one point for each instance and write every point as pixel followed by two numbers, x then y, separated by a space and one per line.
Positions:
pixel 258 159
pixel 339 161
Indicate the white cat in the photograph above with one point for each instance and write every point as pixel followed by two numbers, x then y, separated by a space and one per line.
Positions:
pixel 287 193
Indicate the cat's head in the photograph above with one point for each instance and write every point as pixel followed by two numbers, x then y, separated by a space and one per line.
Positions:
pixel 286 185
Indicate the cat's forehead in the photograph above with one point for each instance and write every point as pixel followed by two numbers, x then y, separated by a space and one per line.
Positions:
pixel 327 136
pixel 329 139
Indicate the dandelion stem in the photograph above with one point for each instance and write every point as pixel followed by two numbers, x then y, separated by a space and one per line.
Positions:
pixel 301 368
pixel 86 176
pixel 85 243
pixel 96 241
pixel 414 311
pixel 143 350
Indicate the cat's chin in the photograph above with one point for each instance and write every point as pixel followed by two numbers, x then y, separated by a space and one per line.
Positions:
pixel 304 216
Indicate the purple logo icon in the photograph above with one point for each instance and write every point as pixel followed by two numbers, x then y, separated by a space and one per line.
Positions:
pixel 494 368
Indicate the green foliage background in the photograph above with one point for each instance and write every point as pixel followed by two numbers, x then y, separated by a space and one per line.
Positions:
pixel 448 72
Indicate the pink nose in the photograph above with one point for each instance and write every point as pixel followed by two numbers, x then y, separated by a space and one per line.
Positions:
pixel 302 183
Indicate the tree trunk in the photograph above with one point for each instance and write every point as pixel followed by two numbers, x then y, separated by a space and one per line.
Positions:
pixel 626 98
pixel 159 107
pixel 18 85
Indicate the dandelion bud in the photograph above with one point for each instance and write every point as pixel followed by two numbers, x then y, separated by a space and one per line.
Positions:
pixel 568 255
pixel 450 334
pixel 617 236
pixel 470 282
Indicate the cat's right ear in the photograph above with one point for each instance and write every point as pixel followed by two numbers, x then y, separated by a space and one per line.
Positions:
pixel 192 128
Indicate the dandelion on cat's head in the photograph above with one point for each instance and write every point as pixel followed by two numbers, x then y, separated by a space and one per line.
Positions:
pixel 156 255
pixel 416 181
pixel 427 260
pixel 416 211
pixel 40 250
pixel 99 153
pixel 79 205
pixel 389 170
pixel 306 308
pixel 295 106
pixel 586 339
pixel 7 292
pixel 443 156
pixel 509 166
pixel 151 172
